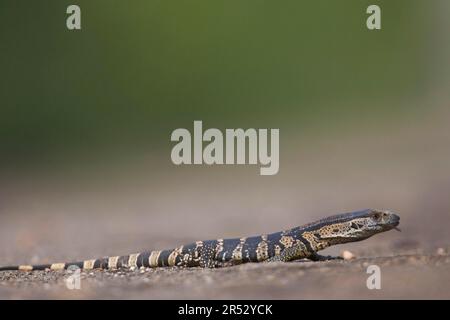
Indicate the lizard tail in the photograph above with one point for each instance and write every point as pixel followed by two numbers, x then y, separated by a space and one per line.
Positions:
pixel 150 259
pixel 102 263
pixel 26 267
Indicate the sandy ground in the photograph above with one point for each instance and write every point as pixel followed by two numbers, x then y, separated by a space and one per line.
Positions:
pixel 75 217
pixel 423 276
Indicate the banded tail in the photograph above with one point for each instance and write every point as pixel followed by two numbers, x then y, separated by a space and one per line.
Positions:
pixel 151 259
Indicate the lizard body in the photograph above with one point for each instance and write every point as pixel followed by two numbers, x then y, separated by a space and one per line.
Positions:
pixel 296 243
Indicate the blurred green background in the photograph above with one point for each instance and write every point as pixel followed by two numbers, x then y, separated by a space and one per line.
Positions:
pixel 139 69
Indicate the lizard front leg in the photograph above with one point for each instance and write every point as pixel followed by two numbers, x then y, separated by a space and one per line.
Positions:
pixel 289 254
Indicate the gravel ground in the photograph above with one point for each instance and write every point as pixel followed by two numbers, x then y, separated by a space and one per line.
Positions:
pixel 402 276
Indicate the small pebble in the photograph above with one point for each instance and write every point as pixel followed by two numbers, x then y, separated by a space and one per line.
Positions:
pixel 347 255
pixel 440 252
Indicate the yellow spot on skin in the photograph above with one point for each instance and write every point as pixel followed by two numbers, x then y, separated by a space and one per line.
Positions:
pixel 173 256
pixel 277 249
pixel 237 252
pixel 25 268
pixel 262 251
pixel 287 241
pixel 88 264
pixel 112 262
pixel 57 266
pixel 132 260
pixel 153 259
pixel 198 244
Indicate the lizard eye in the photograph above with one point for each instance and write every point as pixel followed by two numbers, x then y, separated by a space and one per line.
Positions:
pixel 377 216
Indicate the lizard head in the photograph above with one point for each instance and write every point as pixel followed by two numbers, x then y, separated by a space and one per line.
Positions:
pixel 355 226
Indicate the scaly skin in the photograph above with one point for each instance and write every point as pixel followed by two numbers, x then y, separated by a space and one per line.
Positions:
pixel 297 243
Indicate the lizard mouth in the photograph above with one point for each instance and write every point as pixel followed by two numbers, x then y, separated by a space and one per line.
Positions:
pixel 395 222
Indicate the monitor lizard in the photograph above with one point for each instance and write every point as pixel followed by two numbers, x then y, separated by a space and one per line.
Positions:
pixel 292 244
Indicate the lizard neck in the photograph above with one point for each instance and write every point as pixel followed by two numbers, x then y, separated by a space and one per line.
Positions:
pixel 314 241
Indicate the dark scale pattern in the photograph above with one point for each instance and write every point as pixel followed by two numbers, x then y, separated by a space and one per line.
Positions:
pixel 142 261
pixel 273 239
pixel 123 261
pixel 101 263
pixel 189 251
pixel 163 260
pixel 229 245
pixel 207 254
pixel 249 249
pixel 42 267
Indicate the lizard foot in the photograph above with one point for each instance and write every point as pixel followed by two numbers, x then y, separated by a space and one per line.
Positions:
pixel 318 257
